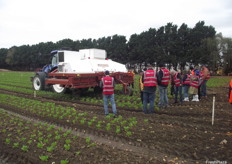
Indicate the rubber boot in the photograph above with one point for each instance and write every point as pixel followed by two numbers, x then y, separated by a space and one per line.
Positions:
pixel 194 99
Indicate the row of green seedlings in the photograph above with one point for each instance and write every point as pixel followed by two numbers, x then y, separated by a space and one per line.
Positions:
pixel 16 77
pixel 132 102
pixel 20 79
pixel 41 138
pixel 73 117
pixel 33 93
pixel 18 84
pixel 218 82
pixel 121 100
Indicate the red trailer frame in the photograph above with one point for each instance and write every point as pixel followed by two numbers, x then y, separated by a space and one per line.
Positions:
pixel 79 80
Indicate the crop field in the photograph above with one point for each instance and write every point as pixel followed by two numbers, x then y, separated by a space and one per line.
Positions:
pixel 39 127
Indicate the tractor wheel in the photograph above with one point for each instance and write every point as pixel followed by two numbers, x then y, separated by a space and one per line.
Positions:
pixel 128 91
pixel 38 82
pixel 58 89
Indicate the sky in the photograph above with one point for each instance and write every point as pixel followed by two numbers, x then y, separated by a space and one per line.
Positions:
pixel 29 22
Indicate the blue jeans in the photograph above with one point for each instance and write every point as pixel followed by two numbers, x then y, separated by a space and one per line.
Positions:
pixel 186 89
pixel 163 93
pixel 148 98
pixel 178 91
pixel 203 88
pixel 105 99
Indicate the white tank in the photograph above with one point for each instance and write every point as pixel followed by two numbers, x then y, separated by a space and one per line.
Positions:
pixel 85 61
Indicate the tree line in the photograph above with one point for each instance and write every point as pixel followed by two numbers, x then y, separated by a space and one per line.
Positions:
pixel 168 44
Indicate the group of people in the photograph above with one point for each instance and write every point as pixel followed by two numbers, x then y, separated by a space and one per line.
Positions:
pixel 149 81
pixel 186 84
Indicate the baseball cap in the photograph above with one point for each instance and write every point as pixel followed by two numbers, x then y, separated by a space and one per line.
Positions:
pixel 107 72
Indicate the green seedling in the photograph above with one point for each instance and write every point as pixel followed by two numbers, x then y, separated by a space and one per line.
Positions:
pixel 7 141
pixel 67 141
pixel 15 145
pixel 87 140
pixel 78 152
pixel 128 133
pixel 92 144
pixel 29 142
pixel 90 123
pixel 54 144
pixel 118 129
pixel 57 137
pixel 126 128
pixel 40 134
pixel 24 148
pixel 23 139
pixel 40 138
pixel 108 127
pixel 26 128
pixel 40 145
pixel 98 125
pixel 67 147
pixel 82 121
pixel 50 148
pixel 64 162
pixel 123 122
pixel 43 158
pixel 49 135
pixel 145 120
pixel 45 141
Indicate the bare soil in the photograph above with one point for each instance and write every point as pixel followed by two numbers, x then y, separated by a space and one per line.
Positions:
pixel 181 133
pixel 4 70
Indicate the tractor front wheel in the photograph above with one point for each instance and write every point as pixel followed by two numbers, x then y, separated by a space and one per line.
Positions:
pixel 38 82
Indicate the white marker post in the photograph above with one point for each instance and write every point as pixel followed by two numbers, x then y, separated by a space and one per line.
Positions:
pixel 213 108
pixel 34 93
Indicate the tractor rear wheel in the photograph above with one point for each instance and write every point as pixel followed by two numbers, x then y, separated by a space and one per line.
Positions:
pixel 128 91
pixel 58 89
pixel 38 82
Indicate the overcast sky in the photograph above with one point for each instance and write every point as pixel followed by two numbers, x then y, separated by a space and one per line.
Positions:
pixel 28 22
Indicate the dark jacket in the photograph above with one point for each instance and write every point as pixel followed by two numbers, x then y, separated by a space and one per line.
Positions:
pixel 179 77
pixel 159 76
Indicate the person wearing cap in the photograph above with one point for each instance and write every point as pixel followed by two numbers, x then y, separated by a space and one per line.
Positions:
pixel 108 84
pixel 163 78
pixel 149 81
